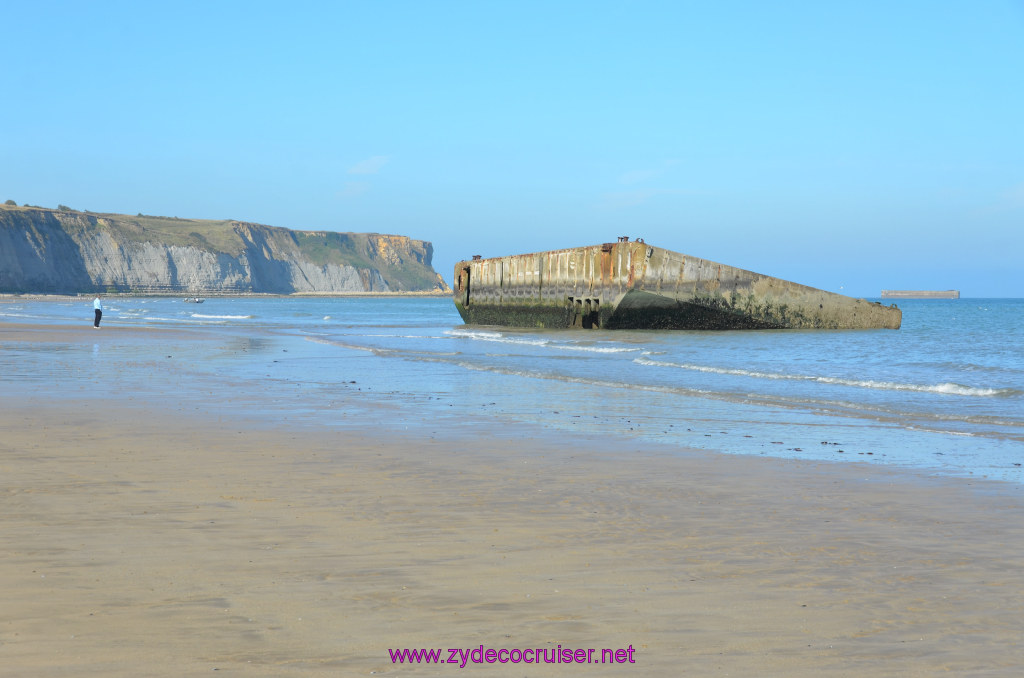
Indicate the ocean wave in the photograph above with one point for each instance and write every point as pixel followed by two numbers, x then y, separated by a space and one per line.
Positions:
pixel 497 337
pixel 946 388
pixel 396 336
pixel 376 350
pixel 221 317
pixel 474 334
pixel 587 381
pixel 964 434
pixel 186 321
pixel 408 354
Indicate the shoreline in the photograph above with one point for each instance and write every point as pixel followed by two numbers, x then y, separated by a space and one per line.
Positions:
pixel 120 345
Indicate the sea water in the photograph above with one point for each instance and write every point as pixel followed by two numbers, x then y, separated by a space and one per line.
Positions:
pixel 945 393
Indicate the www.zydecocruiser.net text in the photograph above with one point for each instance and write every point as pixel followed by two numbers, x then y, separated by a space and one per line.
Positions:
pixel 479 655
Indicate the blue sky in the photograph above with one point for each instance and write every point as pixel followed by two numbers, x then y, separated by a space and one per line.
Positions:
pixel 852 146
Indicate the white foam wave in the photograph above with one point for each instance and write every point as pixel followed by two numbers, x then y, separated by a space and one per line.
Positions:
pixel 397 336
pixel 187 321
pixel 944 388
pixel 474 334
pixel 353 347
pixel 530 374
pixel 601 349
pixel 221 317
pixel 497 337
pixel 964 434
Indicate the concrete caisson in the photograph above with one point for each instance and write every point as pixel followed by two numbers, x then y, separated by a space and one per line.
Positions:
pixel 633 285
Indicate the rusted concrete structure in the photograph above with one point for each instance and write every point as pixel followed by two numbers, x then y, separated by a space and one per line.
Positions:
pixel 634 285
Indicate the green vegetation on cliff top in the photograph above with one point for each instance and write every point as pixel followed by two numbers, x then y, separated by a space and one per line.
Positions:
pixel 206 234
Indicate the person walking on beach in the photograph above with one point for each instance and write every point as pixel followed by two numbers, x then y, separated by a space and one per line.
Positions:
pixel 97 306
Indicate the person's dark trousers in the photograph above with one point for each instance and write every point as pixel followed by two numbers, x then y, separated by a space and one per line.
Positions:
pixel 99 314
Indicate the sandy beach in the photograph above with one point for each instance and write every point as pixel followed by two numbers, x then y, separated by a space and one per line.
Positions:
pixel 137 542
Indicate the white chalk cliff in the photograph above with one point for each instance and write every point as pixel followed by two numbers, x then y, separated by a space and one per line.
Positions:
pixel 65 251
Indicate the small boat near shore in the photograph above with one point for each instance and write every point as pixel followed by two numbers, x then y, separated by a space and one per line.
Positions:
pixel 193 300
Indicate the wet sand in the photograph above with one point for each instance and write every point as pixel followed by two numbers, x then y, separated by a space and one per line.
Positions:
pixel 135 542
